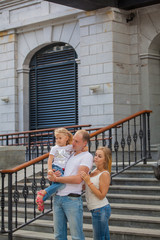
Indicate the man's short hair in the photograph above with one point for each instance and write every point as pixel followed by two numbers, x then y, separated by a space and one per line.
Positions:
pixel 85 135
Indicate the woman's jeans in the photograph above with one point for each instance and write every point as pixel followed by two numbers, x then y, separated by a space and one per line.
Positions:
pixel 100 218
pixel 54 187
pixel 68 209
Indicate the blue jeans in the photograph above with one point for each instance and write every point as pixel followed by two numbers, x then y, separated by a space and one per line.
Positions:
pixel 100 218
pixel 68 209
pixel 54 187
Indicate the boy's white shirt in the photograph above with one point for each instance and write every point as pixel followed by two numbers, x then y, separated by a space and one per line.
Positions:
pixel 61 155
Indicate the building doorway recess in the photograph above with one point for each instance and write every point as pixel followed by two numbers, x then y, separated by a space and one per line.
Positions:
pixel 53 87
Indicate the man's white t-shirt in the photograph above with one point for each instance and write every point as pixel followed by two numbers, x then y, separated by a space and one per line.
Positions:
pixel 72 166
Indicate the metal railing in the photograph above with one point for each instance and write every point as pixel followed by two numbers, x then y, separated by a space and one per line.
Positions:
pixel 36 142
pixel 129 140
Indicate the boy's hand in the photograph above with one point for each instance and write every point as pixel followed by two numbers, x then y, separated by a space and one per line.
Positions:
pixel 50 172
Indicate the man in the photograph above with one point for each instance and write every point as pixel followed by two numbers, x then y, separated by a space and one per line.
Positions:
pixel 67 204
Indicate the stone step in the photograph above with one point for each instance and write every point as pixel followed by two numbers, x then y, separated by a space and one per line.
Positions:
pixel 33 235
pixel 135 209
pixel 127 233
pixel 134 221
pixel 139 166
pixel 40 226
pixel 144 190
pixel 135 181
pixel 30 213
pixel 20 185
pixel 129 220
pixel 137 173
pixel 133 199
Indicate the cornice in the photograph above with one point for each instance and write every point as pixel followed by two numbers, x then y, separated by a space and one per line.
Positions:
pixel 10 4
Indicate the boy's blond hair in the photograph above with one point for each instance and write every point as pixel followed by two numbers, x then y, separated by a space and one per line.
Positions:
pixel 66 133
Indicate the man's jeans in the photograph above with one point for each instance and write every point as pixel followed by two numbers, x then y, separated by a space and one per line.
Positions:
pixel 54 187
pixel 100 218
pixel 66 208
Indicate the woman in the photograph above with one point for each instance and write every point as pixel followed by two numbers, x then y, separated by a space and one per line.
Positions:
pixel 97 185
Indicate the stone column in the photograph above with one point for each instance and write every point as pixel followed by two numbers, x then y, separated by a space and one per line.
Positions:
pixel 23 98
pixel 8 81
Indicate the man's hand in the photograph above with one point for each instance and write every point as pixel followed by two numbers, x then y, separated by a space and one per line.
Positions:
pixel 57 173
pixel 52 177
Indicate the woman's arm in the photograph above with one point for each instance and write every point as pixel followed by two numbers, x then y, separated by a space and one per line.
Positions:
pixel 104 182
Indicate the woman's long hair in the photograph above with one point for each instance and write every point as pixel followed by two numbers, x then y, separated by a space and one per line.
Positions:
pixel 108 158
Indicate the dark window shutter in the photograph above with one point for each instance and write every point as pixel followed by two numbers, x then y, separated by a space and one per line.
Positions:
pixel 53 88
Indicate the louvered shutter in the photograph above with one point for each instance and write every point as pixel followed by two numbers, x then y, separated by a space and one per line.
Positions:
pixel 53 88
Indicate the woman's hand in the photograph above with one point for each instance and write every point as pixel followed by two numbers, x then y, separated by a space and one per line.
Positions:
pixel 85 177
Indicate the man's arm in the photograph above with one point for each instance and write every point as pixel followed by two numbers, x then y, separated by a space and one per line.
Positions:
pixel 75 179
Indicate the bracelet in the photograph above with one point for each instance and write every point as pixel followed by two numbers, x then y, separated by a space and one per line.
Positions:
pixel 90 184
pixel 50 171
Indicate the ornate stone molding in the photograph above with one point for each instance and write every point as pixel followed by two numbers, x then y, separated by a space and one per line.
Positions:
pixel 150 56
pixel 23 70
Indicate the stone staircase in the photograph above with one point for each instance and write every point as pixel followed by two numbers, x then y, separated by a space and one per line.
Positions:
pixel 135 201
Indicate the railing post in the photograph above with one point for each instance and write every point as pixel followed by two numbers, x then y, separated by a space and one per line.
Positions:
pixel 149 136
pixel 29 147
pixel 144 140
pixel 2 204
pixel 7 140
pixel 110 139
pixel 10 206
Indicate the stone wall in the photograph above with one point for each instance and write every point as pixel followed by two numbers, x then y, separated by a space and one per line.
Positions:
pixel 11 156
pixel 116 59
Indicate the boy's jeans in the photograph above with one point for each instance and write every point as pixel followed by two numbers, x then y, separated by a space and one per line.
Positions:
pixel 54 187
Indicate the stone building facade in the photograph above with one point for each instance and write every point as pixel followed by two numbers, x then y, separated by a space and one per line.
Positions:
pixel 118 57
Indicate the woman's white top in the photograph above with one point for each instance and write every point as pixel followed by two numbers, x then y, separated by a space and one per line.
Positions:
pixel 94 202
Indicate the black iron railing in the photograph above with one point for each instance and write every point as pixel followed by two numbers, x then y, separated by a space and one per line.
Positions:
pixel 129 140
pixel 36 142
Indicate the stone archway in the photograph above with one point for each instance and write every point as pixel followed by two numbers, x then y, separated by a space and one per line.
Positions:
pixel 154 86
pixel 28 43
pixel 150 77
pixel 53 87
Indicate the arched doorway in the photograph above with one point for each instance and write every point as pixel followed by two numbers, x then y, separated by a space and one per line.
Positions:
pixel 150 79
pixel 53 87
pixel 154 86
